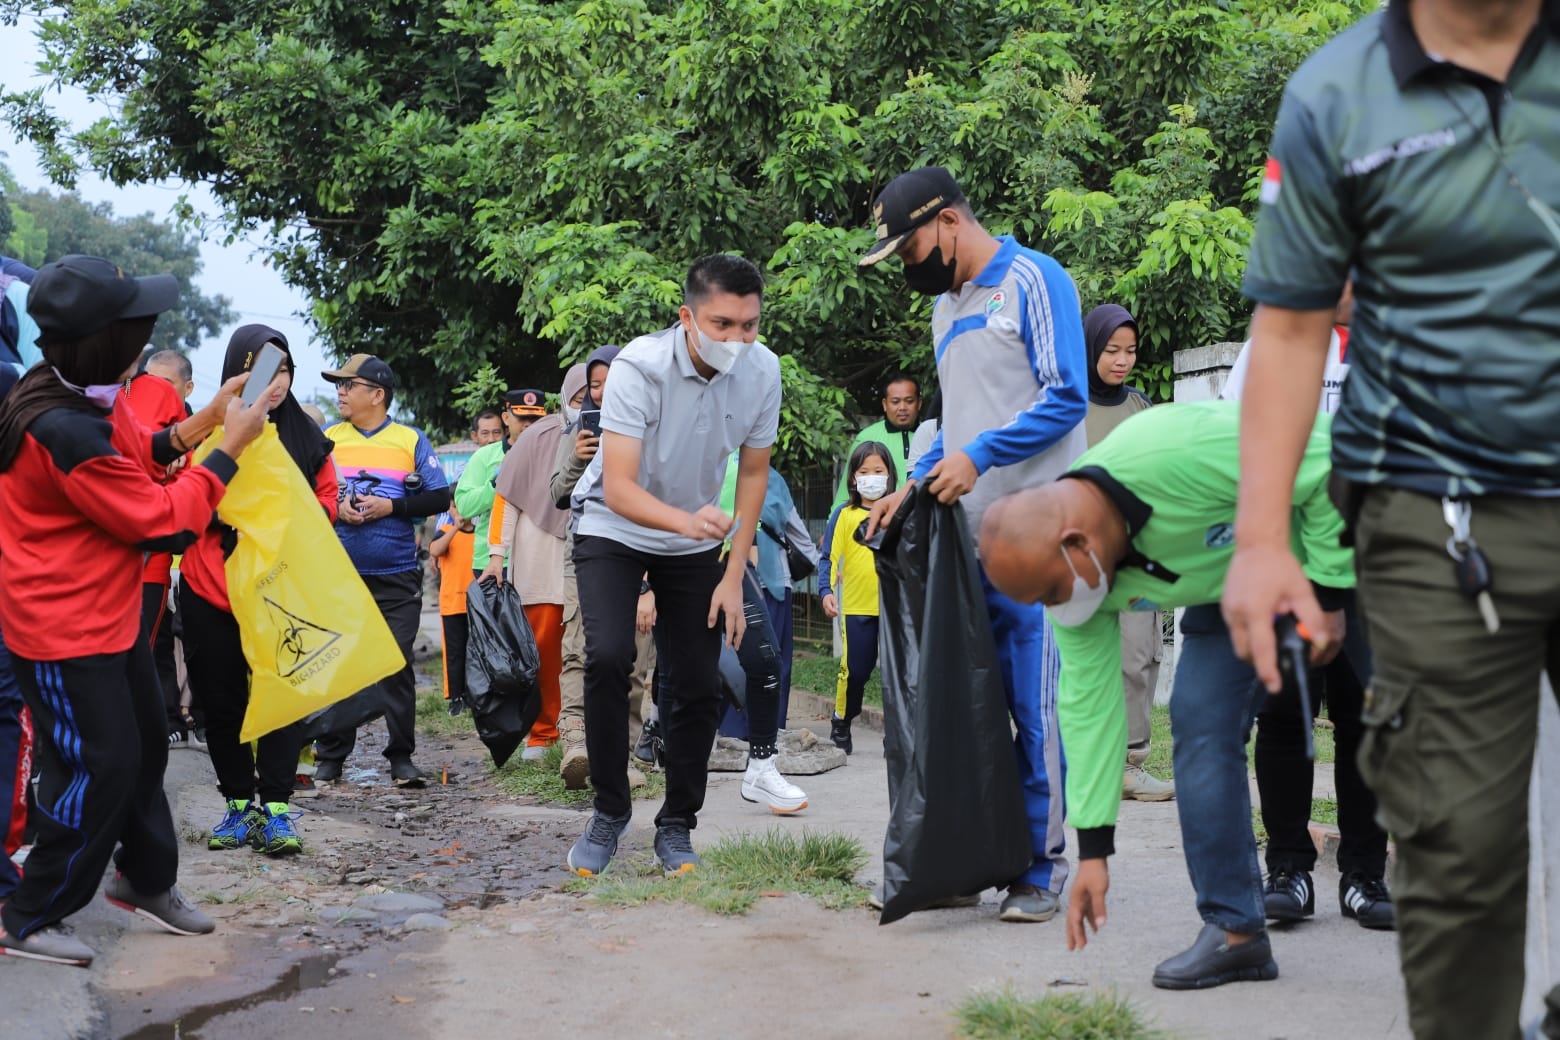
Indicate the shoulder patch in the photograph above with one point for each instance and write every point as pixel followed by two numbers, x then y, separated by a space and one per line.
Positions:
pixel 72 436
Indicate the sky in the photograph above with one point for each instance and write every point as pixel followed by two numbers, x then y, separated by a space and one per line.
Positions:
pixel 238 271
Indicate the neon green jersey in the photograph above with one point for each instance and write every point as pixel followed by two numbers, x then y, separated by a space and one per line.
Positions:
pixel 1173 472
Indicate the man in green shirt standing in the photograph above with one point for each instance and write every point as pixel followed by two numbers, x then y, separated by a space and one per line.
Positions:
pixel 1144 521
pixel 474 493
pixel 901 411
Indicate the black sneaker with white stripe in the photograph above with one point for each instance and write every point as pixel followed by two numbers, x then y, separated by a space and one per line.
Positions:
pixel 1289 895
pixel 1367 901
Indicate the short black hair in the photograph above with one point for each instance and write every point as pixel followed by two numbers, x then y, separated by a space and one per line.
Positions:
pixel 899 376
pixel 486 413
pixel 721 272
pixel 173 357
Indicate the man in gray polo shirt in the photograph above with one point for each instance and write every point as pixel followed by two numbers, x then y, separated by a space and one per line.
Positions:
pixel 679 402
pixel 1420 146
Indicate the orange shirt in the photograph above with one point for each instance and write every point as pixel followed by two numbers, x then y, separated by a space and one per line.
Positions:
pixel 455 570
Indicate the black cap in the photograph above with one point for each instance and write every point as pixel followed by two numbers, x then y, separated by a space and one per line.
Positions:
pixel 365 367
pixel 76 296
pixel 910 200
pixel 526 403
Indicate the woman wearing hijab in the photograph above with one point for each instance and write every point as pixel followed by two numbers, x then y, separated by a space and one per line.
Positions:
pixel 79 490
pixel 576 448
pixel 531 531
pixel 219 675
pixel 1112 337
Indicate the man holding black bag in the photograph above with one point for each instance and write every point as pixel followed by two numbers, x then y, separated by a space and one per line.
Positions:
pixel 1008 333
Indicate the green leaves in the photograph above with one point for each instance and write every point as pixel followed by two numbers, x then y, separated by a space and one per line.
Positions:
pixel 482 191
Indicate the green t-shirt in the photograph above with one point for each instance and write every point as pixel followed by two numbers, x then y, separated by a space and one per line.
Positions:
pixel 475 492
pixel 1173 471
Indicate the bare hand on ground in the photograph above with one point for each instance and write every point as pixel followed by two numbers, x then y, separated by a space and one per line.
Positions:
pixel 1087 906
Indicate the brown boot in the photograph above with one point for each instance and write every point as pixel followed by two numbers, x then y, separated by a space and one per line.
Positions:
pixel 575 768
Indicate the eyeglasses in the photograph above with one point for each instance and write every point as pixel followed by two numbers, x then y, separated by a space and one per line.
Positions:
pixel 359 382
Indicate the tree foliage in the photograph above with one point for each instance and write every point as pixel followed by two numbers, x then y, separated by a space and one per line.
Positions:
pixel 46 226
pixel 513 183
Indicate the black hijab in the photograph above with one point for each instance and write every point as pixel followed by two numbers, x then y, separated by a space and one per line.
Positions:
pixel 600 356
pixel 97 359
pixel 1099 325
pixel 304 441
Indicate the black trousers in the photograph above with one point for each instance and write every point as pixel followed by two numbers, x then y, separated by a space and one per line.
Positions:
pixel 457 630
pixel 101 749
pixel 154 627
pixel 219 675
pixel 399 598
pixel 1285 776
pixel 609 573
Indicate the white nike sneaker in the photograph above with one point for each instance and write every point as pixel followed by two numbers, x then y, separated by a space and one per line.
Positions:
pixel 763 783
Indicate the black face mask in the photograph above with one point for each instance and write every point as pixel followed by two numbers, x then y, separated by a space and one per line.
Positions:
pixel 932 276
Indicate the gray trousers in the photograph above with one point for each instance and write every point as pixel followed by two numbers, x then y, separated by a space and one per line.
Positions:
pixel 1142 646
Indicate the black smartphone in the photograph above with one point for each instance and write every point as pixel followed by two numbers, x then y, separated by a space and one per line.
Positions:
pixel 262 372
pixel 590 421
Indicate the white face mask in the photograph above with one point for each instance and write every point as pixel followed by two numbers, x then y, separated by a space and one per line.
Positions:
pixel 1085 601
pixel 721 355
pixel 571 415
pixel 872 486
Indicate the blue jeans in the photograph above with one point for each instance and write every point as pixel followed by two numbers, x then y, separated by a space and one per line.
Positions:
pixel 1215 699
pixel 1212 705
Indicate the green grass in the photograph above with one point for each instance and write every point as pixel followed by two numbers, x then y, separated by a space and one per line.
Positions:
pixel 540 780
pixel 434 718
pixel 1070 1016
pixel 820 675
pixel 741 869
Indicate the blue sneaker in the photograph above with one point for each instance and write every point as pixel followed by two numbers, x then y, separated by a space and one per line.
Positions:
pixel 674 848
pixel 238 827
pixel 278 835
pixel 596 847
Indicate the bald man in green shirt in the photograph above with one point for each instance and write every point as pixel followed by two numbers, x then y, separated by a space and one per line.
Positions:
pixel 1144 521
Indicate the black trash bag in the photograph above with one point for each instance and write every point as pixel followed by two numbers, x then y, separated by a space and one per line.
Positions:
pixel 957 823
pixel 347 714
pixel 501 667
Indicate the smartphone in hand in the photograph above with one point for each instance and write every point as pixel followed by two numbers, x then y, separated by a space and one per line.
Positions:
pixel 590 421
pixel 262 372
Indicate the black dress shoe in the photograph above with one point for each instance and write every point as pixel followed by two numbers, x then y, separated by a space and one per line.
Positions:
pixel 1212 961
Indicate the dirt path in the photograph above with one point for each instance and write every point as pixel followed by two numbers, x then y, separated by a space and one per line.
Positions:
pixel 524 957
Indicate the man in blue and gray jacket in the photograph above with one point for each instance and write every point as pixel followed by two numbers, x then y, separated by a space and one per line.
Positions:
pixel 1012 367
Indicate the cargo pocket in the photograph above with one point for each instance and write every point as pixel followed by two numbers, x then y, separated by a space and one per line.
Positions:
pixel 1390 759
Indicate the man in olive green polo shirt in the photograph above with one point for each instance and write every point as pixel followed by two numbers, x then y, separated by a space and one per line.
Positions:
pixel 1420 146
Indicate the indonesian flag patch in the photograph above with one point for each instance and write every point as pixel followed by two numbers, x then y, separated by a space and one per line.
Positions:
pixel 1272 180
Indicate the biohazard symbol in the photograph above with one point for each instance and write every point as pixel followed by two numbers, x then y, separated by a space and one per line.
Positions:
pixel 298 641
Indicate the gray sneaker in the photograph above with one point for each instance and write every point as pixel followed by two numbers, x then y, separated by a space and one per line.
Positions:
pixel 674 849
pixel 54 944
pixel 1028 903
pixel 596 847
pixel 168 910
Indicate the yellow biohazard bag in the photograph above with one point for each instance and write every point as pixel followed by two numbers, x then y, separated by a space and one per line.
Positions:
pixel 310 629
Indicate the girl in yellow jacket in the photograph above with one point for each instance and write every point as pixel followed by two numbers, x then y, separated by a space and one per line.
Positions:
pixel 847 581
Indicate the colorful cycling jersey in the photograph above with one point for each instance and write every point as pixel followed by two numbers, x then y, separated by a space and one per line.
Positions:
pixel 378 462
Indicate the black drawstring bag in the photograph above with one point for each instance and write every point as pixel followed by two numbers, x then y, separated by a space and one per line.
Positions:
pixel 957 823
pixel 502 664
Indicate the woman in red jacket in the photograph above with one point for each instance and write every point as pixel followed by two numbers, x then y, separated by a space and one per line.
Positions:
pixel 81 507
pixel 219 675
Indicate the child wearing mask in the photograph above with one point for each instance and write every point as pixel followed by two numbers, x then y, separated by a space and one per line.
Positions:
pixel 847 581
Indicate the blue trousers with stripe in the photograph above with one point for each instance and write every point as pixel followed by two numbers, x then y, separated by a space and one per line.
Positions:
pixel 101 744
pixel 1031 671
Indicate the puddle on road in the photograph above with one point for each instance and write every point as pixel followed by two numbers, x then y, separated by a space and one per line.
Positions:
pixel 312 972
